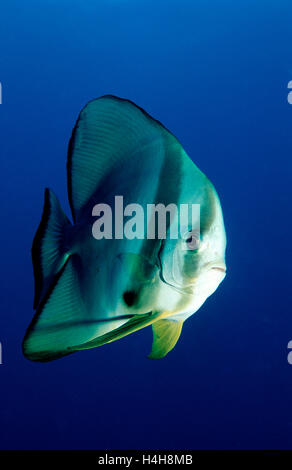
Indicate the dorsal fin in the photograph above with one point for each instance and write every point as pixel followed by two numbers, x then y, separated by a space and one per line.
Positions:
pixel 109 132
pixel 165 336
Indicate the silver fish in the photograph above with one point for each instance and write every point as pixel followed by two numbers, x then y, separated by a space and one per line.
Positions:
pixel 90 292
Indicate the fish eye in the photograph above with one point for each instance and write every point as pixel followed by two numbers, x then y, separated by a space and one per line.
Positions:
pixel 192 240
pixel 189 239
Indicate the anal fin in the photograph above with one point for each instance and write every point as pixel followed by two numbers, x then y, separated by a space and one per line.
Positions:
pixel 61 320
pixel 166 333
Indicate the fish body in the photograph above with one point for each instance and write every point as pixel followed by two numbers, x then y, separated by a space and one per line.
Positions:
pixel 91 291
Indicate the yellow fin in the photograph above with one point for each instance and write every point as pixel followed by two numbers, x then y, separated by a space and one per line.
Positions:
pixel 136 323
pixel 165 336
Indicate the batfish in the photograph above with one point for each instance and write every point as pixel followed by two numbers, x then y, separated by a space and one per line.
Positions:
pixel 89 291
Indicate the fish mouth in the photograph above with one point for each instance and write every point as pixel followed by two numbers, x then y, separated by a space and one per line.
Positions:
pixel 219 268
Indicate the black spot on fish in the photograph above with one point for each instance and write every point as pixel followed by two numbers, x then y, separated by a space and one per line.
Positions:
pixel 130 297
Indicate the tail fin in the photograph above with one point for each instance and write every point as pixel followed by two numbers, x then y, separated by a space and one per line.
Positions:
pixel 48 249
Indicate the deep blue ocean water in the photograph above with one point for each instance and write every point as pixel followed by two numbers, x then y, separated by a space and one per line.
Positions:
pixel 216 74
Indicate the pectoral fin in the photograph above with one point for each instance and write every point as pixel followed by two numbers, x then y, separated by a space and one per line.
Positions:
pixel 165 336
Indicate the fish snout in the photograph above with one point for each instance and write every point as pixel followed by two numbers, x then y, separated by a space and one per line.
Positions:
pixel 215 272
